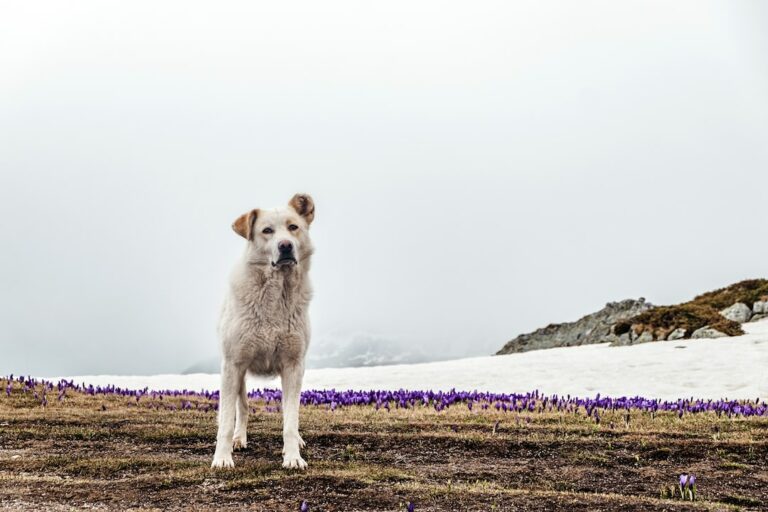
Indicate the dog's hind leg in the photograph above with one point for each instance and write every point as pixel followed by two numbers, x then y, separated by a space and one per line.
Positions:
pixel 231 380
pixel 240 440
pixel 291 379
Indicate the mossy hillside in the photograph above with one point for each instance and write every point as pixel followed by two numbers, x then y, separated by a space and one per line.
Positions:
pixel 748 292
pixel 703 310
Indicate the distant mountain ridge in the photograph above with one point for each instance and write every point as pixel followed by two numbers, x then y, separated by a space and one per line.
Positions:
pixel 593 328
pixel 351 350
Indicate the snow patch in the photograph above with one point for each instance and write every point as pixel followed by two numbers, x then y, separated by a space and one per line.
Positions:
pixel 734 368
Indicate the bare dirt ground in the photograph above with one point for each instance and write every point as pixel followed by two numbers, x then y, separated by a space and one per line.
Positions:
pixel 110 453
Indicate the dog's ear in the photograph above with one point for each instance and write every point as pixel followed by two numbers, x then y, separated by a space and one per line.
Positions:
pixel 304 206
pixel 243 226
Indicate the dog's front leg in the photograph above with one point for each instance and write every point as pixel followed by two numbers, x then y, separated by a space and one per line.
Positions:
pixel 241 418
pixel 291 379
pixel 231 379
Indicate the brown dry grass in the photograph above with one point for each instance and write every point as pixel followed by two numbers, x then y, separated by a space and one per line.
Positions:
pixel 662 320
pixel 73 454
pixel 700 312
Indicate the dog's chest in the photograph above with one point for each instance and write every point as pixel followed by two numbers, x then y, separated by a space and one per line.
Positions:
pixel 269 308
pixel 264 323
pixel 273 335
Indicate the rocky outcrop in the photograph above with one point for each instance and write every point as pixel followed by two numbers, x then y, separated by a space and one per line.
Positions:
pixel 739 312
pixel 675 327
pixel 594 328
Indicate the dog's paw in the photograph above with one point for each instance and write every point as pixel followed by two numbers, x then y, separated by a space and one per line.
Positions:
pixel 302 444
pixel 222 462
pixel 294 462
pixel 240 442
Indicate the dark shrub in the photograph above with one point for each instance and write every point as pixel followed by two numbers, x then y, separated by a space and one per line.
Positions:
pixel 622 327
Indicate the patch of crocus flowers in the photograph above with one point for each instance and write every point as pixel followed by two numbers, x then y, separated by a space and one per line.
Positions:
pixel 684 490
pixel 332 399
pixel 688 486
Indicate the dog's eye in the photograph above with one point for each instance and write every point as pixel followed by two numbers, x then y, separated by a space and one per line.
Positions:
pixel 267 231
pixel 293 227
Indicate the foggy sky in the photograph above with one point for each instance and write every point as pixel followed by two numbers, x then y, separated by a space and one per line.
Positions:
pixel 479 169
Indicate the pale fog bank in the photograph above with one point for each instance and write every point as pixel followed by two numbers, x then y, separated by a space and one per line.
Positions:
pixel 365 350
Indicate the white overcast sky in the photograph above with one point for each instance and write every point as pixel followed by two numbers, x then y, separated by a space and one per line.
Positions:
pixel 480 169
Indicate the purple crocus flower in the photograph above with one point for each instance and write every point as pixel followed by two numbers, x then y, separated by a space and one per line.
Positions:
pixel 410 506
pixel 304 506
pixel 532 402
pixel 683 480
pixel 692 487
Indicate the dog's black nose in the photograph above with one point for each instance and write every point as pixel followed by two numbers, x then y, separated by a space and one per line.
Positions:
pixel 285 247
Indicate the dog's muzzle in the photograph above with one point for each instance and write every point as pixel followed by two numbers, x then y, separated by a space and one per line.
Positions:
pixel 287 257
pixel 285 261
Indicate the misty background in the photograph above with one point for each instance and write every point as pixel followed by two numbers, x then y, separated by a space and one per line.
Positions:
pixel 479 169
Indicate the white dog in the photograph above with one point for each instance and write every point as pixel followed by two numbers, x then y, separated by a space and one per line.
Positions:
pixel 264 325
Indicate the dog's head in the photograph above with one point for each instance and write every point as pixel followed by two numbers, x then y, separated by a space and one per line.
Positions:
pixel 278 237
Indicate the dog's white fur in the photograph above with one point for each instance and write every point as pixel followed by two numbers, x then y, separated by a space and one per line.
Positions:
pixel 264 324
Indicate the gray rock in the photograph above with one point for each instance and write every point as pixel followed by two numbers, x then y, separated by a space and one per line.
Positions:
pixel 707 332
pixel 758 316
pixel 594 328
pixel 760 307
pixel 677 334
pixel 645 337
pixel 739 312
pixel 619 341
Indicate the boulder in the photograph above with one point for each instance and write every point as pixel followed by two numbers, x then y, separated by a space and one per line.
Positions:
pixel 677 334
pixel 739 312
pixel 645 337
pixel 707 332
pixel 760 307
